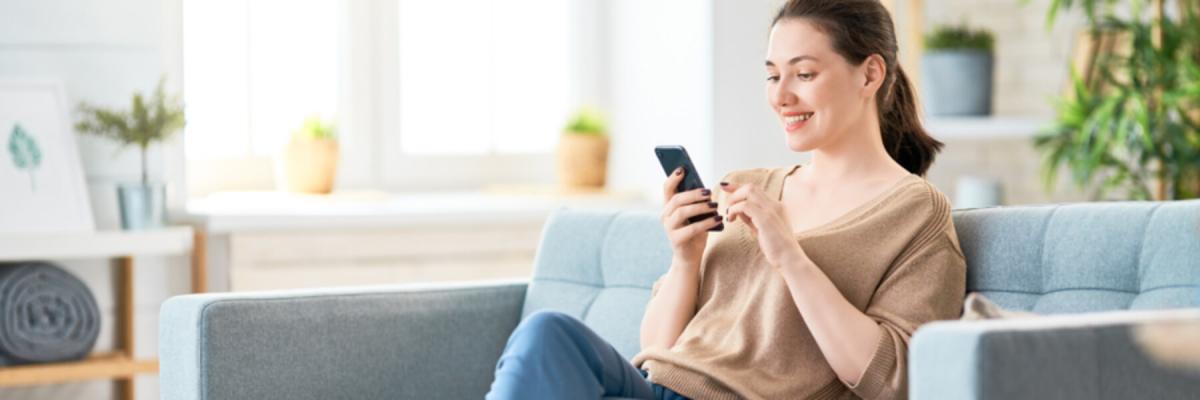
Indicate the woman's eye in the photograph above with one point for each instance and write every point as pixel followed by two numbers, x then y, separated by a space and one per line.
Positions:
pixel 773 78
pixel 806 76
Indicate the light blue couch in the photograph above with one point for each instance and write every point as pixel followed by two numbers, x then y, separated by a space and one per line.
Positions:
pixel 442 341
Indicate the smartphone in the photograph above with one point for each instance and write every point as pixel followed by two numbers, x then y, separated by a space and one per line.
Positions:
pixel 674 156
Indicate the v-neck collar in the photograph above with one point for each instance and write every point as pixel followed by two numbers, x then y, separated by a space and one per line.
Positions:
pixel 859 209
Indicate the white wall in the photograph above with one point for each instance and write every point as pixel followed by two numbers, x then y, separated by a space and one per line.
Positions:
pixel 659 88
pixel 1031 60
pixel 103 51
pixel 689 73
pixel 746 132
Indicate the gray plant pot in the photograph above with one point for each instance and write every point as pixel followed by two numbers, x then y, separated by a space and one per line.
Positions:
pixel 143 206
pixel 956 82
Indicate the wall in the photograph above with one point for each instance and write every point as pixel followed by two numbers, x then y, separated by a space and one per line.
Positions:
pixel 659 88
pixel 1031 58
pixel 747 133
pixel 103 51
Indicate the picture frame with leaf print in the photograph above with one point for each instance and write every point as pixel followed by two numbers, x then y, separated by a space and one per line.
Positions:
pixel 42 188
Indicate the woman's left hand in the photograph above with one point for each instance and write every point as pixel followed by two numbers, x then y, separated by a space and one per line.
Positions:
pixel 766 220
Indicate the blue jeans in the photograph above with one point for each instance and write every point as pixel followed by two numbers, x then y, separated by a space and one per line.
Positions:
pixel 552 355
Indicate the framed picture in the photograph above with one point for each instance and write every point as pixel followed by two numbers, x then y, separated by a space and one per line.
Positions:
pixel 42 186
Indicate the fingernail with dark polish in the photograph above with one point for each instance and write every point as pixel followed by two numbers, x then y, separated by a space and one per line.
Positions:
pixel 717 217
pixel 678 170
pixel 723 184
pixel 712 204
pixel 705 192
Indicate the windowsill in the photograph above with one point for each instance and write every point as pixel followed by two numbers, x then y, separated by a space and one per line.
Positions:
pixel 225 212
pixel 985 127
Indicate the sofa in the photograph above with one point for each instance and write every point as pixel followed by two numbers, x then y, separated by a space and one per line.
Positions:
pixel 1095 271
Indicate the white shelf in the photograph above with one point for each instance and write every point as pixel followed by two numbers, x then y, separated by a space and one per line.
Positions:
pixel 99 244
pixel 990 127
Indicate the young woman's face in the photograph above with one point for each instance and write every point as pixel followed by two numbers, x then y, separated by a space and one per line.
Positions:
pixel 815 93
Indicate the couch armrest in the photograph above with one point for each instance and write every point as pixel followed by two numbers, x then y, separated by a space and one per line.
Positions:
pixel 413 341
pixel 1079 356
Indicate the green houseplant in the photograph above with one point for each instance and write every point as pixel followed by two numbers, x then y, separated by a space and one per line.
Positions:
pixel 583 151
pixel 146 122
pixel 961 59
pixel 953 37
pixel 1132 130
pixel 310 160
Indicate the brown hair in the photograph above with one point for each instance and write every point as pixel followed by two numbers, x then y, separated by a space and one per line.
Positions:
pixel 858 29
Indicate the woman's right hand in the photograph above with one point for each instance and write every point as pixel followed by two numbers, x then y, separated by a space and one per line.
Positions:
pixel 687 239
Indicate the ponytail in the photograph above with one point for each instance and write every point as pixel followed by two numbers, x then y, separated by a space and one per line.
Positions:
pixel 903 136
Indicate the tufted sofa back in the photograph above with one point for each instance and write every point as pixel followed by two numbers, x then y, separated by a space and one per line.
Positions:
pixel 599 266
pixel 1084 257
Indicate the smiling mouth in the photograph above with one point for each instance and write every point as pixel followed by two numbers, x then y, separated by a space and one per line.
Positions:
pixel 794 122
pixel 792 119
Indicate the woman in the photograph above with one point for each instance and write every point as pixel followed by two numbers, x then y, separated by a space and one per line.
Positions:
pixel 823 271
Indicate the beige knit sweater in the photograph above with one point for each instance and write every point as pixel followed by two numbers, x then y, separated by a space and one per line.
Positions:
pixel 896 258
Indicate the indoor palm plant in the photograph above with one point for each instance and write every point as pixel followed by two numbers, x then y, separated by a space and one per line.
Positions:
pixel 583 151
pixel 1133 129
pixel 147 121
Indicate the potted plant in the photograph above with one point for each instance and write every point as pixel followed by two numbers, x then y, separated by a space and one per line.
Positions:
pixel 583 151
pixel 1134 134
pixel 957 66
pixel 310 159
pixel 143 203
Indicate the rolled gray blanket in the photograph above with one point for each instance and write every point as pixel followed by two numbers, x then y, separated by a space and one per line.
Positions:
pixel 46 315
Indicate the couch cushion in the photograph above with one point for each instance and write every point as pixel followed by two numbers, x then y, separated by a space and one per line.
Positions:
pixel 1083 257
pixel 599 266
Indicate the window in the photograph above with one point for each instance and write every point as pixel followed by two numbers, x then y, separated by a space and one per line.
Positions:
pixel 495 80
pixel 428 94
pixel 254 69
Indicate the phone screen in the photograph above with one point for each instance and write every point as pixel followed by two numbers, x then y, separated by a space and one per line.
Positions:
pixel 672 157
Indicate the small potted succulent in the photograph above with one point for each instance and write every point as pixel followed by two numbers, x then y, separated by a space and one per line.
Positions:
pixel 143 203
pixel 310 160
pixel 956 71
pixel 583 151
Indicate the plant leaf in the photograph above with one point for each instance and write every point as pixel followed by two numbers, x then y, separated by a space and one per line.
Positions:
pixel 25 152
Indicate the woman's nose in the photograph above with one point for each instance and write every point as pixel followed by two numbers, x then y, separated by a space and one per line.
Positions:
pixel 781 96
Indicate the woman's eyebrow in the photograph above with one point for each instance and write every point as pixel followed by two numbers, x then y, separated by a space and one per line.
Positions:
pixel 794 60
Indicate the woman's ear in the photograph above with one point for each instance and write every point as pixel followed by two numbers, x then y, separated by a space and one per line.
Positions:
pixel 874 71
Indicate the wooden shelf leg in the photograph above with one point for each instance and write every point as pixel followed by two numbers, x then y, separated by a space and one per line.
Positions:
pixel 124 388
pixel 125 326
pixel 200 261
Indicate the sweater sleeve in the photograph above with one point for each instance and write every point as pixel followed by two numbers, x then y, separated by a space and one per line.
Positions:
pixel 928 283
